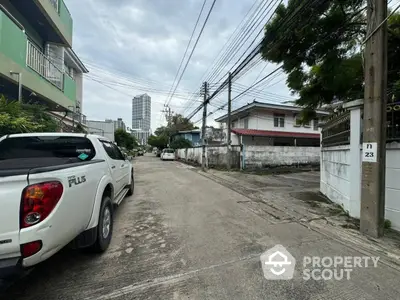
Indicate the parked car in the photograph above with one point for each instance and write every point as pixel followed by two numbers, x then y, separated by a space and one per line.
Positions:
pixel 57 189
pixel 140 152
pixel 158 154
pixel 168 154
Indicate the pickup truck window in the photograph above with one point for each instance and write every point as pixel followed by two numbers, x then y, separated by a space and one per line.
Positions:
pixel 47 146
pixel 112 151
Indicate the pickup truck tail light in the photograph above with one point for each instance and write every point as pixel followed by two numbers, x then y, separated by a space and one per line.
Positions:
pixel 38 201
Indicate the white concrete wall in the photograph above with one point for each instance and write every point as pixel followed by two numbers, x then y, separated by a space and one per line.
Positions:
pixel 190 154
pixel 272 156
pixel 335 174
pixel 343 188
pixel 215 156
pixel 341 174
pixel 392 197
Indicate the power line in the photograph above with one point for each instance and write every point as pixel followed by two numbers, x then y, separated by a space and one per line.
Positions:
pixel 194 47
pixel 240 40
pixel 135 87
pixel 259 20
pixel 186 50
pixel 112 87
pixel 221 55
pixel 256 51
pixel 118 73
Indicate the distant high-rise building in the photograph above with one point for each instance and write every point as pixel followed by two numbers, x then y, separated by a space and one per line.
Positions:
pixel 141 112
pixel 119 124
pixel 141 117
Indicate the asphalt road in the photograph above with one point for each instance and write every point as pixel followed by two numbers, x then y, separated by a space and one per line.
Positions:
pixel 184 236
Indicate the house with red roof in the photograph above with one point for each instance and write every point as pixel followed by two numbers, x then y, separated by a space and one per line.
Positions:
pixel 266 124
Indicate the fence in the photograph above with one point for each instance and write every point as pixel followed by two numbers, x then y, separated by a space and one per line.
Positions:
pixel 341 166
pixel 336 130
pixel 255 157
pixel 216 156
pixel 393 121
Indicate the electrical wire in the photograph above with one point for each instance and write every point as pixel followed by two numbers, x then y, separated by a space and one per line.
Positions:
pixel 186 50
pixel 112 87
pixel 228 45
pixel 117 73
pixel 194 47
pixel 253 54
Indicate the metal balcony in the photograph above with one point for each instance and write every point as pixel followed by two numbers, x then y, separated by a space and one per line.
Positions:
pixel 41 64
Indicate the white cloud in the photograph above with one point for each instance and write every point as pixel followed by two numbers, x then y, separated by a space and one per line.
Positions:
pixel 146 39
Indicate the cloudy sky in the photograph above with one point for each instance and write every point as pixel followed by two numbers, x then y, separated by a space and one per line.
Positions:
pixel 136 46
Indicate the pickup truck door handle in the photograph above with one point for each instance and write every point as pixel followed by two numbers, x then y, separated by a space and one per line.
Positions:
pixel 122 165
pixel 113 167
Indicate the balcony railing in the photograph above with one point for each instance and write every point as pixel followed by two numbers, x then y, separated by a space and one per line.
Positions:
pixel 55 4
pixel 38 62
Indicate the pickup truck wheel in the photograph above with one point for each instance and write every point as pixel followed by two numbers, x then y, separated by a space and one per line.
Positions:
pixel 132 187
pixel 105 226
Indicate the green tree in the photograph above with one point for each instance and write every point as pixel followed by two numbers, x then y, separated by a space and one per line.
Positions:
pixel 163 130
pixel 177 123
pixel 124 139
pixel 180 123
pixel 321 52
pixel 159 142
pixel 180 143
pixel 21 118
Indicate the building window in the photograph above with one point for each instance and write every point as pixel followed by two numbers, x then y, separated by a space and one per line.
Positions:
pixel 279 120
pixel 233 125
pixel 246 123
pixel 316 123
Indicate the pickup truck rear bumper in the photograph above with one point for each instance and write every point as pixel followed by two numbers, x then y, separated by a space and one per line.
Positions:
pixel 10 268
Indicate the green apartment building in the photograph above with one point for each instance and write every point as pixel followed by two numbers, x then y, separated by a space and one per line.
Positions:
pixel 36 52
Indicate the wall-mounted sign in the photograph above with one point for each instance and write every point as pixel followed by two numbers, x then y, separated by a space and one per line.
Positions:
pixel 369 152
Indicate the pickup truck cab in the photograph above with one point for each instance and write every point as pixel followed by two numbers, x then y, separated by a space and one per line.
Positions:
pixel 57 189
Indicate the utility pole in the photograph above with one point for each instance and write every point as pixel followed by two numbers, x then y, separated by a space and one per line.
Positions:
pixel 372 213
pixel 203 128
pixel 168 114
pixel 229 140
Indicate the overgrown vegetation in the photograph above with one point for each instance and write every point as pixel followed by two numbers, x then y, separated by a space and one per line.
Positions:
pixel 22 118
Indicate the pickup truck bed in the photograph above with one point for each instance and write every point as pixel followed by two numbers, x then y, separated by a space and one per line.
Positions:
pixel 49 201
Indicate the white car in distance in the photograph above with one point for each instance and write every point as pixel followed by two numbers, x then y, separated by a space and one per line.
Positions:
pixel 168 154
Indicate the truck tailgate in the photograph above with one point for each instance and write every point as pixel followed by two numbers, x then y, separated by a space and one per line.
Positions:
pixel 10 199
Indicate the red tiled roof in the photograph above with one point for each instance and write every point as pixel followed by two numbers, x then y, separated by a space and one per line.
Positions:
pixel 255 132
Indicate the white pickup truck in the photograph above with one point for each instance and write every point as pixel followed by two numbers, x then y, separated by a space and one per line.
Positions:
pixel 57 189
